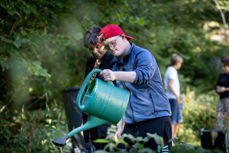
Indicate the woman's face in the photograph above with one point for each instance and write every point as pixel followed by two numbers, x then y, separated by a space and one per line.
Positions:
pixel 179 64
pixel 98 50
pixel 225 68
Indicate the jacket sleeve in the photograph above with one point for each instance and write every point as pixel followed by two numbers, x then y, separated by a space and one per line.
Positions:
pixel 145 67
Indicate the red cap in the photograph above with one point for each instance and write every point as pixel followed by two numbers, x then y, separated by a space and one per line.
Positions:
pixel 112 30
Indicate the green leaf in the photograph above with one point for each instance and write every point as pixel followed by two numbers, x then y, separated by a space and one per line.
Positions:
pixel 11 12
pixel 6 40
pixel 158 139
pixel 121 141
pixel 26 10
pixel 17 43
pixel 100 141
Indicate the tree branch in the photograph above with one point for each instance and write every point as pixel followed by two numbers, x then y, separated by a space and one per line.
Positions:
pixel 3 107
pixel 12 28
pixel 223 18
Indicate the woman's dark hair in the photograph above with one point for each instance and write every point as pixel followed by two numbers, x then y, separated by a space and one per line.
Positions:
pixel 225 61
pixel 91 37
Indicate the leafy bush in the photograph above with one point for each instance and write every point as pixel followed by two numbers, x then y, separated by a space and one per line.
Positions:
pixel 41 52
pixel 187 148
pixel 32 131
pixel 121 146
pixel 200 111
pixel 138 144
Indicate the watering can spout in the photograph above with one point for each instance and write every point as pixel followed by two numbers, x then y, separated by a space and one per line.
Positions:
pixel 92 122
pixel 61 141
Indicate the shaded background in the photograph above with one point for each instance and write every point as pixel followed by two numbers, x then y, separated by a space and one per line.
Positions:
pixel 41 53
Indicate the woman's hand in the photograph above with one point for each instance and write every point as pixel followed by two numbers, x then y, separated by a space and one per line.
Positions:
pixel 120 128
pixel 221 89
pixel 178 100
pixel 117 135
pixel 108 75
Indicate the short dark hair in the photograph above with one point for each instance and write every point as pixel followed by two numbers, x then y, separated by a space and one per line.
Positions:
pixel 91 37
pixel 225 61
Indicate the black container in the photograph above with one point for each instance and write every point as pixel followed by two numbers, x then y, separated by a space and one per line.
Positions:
pixel 211 139
pixel 74 116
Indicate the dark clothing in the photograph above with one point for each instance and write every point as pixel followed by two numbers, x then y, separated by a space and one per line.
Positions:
pixel 223 81
pixel 100 131
pixel 106 62
pixel 161 126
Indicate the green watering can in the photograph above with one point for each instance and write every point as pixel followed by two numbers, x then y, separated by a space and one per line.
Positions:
pixel 102 101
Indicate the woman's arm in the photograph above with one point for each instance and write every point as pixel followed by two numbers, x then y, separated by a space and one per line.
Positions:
pixel 127 76
pixel 221 89
pixel 173 92
pixel 120 128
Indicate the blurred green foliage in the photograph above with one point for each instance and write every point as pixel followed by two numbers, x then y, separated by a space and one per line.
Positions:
pixel 41 47
pixel 137 145
pixel 42 52
pixel 199 112
pixel 33 131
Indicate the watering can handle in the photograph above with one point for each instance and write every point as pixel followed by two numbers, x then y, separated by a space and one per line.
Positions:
pixel 83 87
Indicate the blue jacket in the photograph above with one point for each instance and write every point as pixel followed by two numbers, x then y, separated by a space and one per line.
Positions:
pixel 147 96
